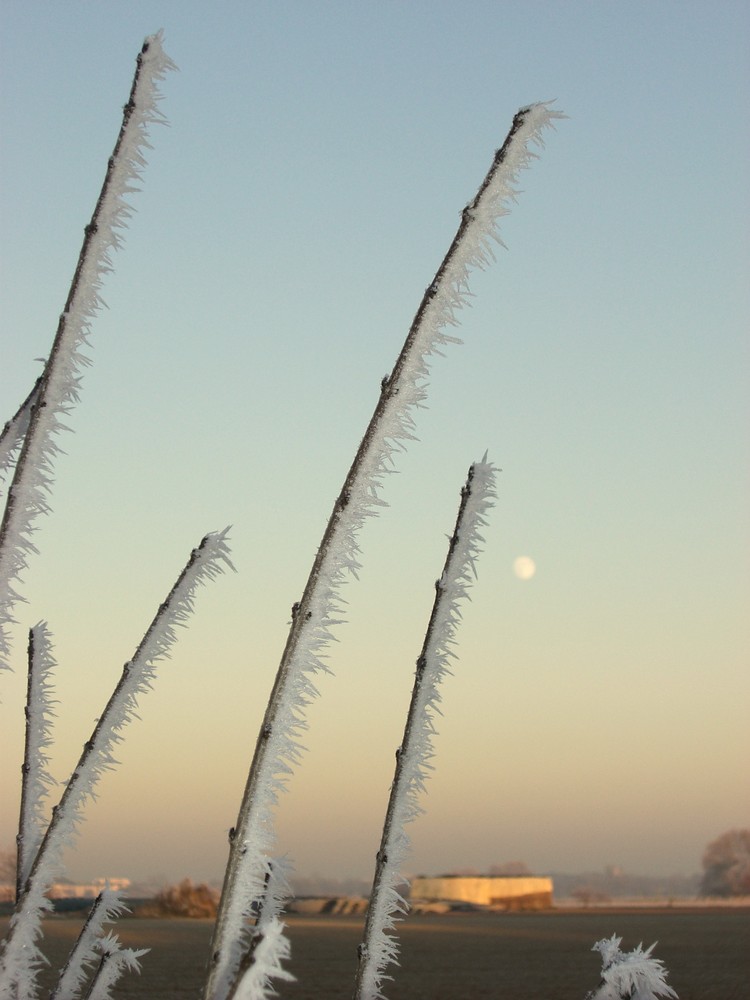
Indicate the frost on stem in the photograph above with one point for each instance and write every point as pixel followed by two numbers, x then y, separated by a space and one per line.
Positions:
pixel 36 779
pixel 632 975
pixel 21 957
pixel 14 431
pixel 379 949
pixel 86 952
pixel 114 961
pixel 263 964
pixel 41 422
pixel 278 748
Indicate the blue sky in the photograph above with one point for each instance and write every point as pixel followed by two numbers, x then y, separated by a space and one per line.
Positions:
pixel 309 183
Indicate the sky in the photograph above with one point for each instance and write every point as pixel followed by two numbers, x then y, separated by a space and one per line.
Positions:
pixel 311 178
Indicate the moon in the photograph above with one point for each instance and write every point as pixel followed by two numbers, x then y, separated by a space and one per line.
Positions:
pixel 524 567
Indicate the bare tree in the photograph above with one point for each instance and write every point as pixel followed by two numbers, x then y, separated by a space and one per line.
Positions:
pixel 186 899
pixel 726 865
pixel 8 876
pixel 8 865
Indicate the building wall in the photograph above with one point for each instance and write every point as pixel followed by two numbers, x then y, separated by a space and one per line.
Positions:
pixel 490 890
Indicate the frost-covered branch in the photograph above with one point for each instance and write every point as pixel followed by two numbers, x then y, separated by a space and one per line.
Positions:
pixel 28 496
pixel 632 975
pixel 278 749
pixel 107 907
pixel 14 431
pixel 379 949
pixel 21 956
pixel 36 779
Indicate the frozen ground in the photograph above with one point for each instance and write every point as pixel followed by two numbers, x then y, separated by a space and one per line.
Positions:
pixel 533 956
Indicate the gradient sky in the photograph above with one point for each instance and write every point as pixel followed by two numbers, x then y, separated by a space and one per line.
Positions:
pixel 311 179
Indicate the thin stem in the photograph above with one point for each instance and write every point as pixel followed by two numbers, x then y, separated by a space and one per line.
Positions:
pixel 35 779
pixel 385 904
pixel 24 818
pixel 106 725
pixel 14 431
pixel 77 956
pixel 89 232
pixel 59 383
pixel 98 973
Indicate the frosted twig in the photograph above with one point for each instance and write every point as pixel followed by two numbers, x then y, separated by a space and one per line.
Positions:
pixel 107 907
pixel 114 961
pixel 413 758
pixel 259 966
pixel 28 496
pixel 632 975
pixel 277 748
pixel 21 956
pixel 36 779
pixel 14 431
pixel 262 964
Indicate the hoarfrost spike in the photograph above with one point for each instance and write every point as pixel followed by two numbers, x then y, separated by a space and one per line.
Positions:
pixel 278 749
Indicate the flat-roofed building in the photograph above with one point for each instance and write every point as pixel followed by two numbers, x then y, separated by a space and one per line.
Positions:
pixel 509 892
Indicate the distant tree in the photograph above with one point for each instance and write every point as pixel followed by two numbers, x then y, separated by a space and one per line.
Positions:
pixel 7 876
pixel 8 866
pixel 726 865
pixel 586 895
pixel 185 900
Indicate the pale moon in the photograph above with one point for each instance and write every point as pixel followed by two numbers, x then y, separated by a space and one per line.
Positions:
pixel 524 567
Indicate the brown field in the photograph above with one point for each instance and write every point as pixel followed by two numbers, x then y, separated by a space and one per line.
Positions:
pixel 523 956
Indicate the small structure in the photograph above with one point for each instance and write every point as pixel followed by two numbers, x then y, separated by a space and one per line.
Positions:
pixel 501 892
pixel 71 890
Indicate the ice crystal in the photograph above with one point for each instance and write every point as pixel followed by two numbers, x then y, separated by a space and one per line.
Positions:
pixel 633 975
